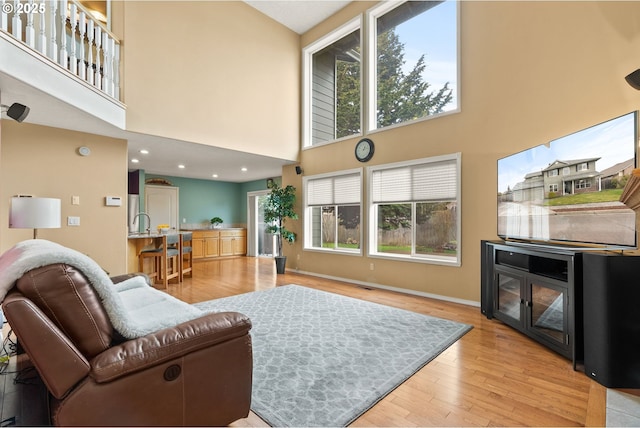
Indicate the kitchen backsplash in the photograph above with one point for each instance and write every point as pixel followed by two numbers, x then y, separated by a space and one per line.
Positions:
pixel 207 225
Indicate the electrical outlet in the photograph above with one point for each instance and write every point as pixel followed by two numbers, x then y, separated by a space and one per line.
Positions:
pixel 371 266
pixel 75 200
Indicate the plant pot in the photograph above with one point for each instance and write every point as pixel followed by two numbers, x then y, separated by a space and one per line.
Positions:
pixel 281 262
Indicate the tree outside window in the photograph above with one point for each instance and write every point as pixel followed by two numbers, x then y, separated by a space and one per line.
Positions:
pixel 414 71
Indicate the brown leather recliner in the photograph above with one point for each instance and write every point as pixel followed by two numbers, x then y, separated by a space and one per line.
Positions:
pixel 196 373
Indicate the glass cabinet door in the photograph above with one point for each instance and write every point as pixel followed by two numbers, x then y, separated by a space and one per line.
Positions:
pixel 509 296
pixel 548 306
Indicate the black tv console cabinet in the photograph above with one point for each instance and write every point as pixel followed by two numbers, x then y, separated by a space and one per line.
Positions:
pixel 536 290
pixel 583 304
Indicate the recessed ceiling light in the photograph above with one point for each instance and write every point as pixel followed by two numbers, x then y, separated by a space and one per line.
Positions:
pixel 134 161
pixel 243 169
pixel 181 166
pixel 215 175
pixel 144 152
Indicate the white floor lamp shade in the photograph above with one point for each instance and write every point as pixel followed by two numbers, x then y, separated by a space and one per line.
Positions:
pixel 34 213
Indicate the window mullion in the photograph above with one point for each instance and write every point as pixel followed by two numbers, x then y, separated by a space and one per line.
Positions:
pixel 414 228
pixel 370 94
pixel 335 227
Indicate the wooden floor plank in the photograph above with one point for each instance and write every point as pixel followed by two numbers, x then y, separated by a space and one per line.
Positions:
pixel 493 376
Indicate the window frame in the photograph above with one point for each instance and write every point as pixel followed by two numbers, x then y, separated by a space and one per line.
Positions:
pixel 366 23
pixel 583 183
pixel 307 80
pixel 307 220
pixel 371 78
pixel 372 242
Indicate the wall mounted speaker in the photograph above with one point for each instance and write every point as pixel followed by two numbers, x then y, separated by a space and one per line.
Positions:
pixel 633 79
pixel 298 169
pixel 18 112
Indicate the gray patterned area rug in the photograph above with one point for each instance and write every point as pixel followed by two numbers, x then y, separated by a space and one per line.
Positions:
pixel 322 359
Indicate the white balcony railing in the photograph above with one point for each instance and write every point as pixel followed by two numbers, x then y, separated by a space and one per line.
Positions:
pixel 67 34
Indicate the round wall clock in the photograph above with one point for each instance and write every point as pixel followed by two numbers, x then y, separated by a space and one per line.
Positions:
pixel 364 150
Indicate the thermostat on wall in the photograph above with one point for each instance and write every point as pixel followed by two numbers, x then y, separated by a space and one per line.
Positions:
pixel 113 201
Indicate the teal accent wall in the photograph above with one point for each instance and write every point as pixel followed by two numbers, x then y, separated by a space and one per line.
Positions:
pixel 202 199
pixel 251 186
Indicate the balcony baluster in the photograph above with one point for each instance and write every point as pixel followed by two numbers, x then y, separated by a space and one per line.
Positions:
pixel 66 33
pixel 82 28
pixel 16 21
pixel 73 58
pixel 52 51
pixel 29 30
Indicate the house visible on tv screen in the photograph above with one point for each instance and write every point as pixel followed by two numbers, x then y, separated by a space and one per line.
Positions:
pixel 568 177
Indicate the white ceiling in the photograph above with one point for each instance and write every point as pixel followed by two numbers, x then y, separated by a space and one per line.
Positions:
pixel 201 161
pixel 298 15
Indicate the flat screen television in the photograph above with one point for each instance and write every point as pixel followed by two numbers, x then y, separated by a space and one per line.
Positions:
pixel 567 192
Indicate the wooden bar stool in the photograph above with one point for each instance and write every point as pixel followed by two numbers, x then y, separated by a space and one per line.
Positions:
pixel 186 251
pixel 166 260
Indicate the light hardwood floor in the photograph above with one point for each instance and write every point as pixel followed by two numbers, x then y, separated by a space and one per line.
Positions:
pixel 493 376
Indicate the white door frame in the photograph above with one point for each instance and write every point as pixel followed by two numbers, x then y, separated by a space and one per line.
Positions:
pixel 252 221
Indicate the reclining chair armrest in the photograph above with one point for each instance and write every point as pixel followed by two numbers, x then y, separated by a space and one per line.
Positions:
pixel 155 348
pixel 119 278
pixel 59 362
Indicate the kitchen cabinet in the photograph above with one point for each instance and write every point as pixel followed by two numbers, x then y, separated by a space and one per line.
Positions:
pixel 220 242
pixel 233 242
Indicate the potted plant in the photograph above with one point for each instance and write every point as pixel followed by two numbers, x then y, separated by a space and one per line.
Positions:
pixel 279 207
pixel 215 221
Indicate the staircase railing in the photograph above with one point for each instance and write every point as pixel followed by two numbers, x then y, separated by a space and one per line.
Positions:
pixel 66 33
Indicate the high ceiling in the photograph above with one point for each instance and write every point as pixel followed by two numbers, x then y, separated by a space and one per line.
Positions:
pixel 298 15
pixel 201 161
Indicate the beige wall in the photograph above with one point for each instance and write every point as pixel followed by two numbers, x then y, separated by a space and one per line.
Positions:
pixel 212 72
pixel 43 161
pixel 531 72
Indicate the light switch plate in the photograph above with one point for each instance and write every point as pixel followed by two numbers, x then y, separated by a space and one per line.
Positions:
pixel 73 221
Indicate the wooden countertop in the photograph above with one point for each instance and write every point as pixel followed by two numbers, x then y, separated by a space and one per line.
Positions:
pixel 217 228
pixel 145 235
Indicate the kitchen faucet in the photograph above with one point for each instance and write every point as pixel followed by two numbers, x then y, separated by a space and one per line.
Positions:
pixel 148 229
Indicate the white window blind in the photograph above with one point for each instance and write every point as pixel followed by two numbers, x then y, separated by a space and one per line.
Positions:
pixel 336 190
pixel 434 181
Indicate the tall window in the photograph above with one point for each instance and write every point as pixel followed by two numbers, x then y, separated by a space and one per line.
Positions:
pixel 414 210
pixel 416 66
pixel 333 211
pixel 334 89
pixel 412 71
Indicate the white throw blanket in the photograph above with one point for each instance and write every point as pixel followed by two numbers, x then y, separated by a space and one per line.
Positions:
pixel 135 309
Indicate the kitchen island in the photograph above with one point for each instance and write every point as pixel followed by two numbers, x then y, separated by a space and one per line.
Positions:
pixel 137 242
pixel 206 243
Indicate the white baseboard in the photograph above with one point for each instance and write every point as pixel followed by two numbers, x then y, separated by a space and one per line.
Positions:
pixel 391 288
